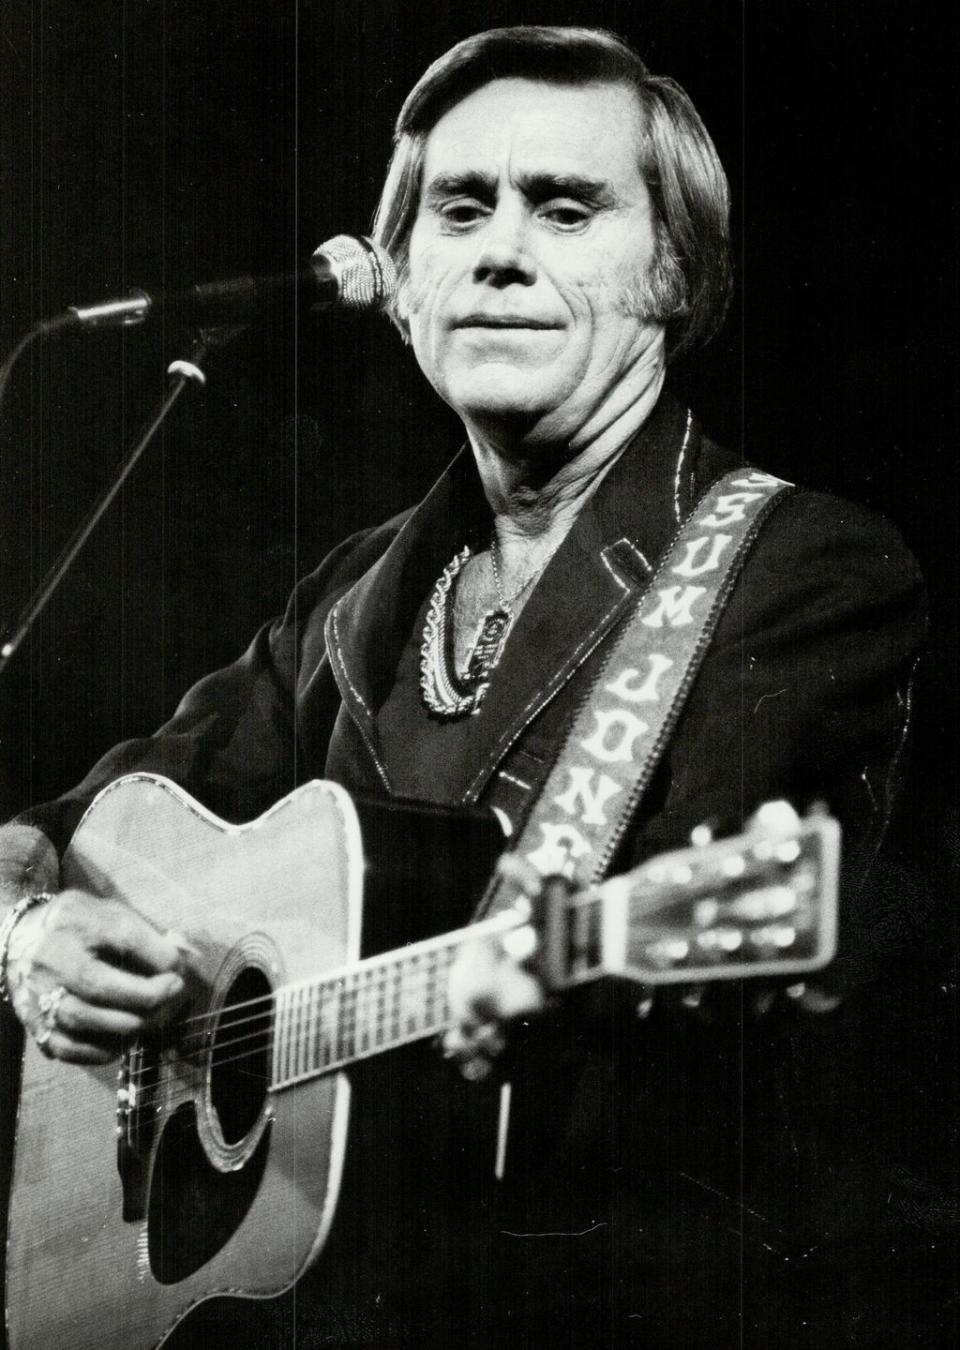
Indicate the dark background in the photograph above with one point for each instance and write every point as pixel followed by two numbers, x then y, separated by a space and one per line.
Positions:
pixel 163 142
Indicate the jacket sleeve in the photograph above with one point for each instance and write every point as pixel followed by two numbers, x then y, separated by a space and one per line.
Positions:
pixel 232 741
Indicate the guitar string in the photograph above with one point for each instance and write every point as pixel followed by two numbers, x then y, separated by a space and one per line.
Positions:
pixel 438 954
pixel 327 991
pixel 384 990
pixel 584 901
pixel 374 1004
pixel 403 978
pixel 181 1092
pixel 381 1012
pixel 384 1011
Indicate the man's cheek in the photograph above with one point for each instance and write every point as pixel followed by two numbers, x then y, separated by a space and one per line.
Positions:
pixel 426 275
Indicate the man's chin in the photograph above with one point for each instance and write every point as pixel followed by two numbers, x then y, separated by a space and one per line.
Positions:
pixel 500 396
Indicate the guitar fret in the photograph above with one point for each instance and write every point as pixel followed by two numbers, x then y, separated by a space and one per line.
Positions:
pixel 310 1028
pixel 410 1005
pixel 369 1008
pixel 343 1022
pixel 740 907
pixel 350 1019
pixel 310 1037
pixel 296 1032
pixel 298 1035
pixel 381 1010
pixel 396 987
pixel 291 1058
pixel 388 1002
pixel 290 1065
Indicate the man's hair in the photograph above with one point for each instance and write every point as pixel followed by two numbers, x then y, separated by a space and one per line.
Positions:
pixel 691 281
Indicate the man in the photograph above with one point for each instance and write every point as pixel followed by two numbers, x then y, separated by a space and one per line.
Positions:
pixel 559 220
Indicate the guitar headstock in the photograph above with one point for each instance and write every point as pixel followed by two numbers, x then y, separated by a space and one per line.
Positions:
pixel 760 903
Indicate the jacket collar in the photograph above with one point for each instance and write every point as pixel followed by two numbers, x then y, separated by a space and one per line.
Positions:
pixel 589 584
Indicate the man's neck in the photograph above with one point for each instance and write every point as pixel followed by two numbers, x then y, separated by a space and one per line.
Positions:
pixel 536 487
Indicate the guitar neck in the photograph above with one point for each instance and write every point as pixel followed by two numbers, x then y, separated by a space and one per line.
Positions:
pixel 762 904
pixel 372 1006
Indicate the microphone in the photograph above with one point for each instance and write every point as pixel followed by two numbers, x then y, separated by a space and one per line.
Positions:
pixel 344 273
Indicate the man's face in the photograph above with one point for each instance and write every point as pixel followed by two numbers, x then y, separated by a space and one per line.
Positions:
pixel 530 257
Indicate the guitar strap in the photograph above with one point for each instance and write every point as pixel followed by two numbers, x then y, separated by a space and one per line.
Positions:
pixel 621 730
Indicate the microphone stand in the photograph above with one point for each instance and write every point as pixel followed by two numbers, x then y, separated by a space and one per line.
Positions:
pixel 182 372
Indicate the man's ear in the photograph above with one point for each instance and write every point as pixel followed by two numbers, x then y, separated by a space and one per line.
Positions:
pixel 400 309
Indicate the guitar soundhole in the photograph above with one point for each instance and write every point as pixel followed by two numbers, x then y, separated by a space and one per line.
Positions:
pixel 239 1061
pixel 195 1207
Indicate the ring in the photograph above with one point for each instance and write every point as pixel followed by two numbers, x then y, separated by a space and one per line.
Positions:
pixel 49 1003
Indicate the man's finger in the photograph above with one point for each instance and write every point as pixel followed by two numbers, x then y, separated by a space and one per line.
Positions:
pixel 82 1020
pixel 112 928
pixel 58 1045
pixel 106 986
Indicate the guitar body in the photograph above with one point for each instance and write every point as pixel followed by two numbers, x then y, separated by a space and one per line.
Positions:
pixel 238 1205
pixel 210 1162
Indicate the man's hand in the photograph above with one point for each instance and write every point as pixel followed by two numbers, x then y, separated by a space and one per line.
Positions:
pixel 489 985
pixel 84 975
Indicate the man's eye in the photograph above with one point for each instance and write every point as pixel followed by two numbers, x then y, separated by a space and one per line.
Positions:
pixel 460 215
pixel 566 215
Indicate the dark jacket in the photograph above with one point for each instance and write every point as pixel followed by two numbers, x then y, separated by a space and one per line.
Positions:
pixel 662 1174
pixel 804 692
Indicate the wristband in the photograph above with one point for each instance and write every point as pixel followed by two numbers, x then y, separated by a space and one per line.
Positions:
pixel 10 920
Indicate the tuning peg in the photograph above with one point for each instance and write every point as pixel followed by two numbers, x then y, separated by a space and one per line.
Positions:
pixel 702 835
pixel 520 943
pixel 775 819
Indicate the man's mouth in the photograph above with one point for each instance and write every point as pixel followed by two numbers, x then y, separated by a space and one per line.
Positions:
pixel 503 321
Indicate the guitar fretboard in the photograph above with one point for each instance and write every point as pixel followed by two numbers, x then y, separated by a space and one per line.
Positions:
pixel 384 1002
pixel 712 912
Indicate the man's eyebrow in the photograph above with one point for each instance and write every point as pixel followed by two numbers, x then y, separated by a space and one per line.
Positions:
pixel 470 183
pixel 539 187
pixel 542 186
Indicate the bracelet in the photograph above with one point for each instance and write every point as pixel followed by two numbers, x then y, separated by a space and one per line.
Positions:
pixel 10 920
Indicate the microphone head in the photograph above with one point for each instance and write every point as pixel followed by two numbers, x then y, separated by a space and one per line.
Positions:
pixel 365 273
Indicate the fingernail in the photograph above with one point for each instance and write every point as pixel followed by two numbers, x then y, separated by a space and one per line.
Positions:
pixel 175 985
pixel 183 944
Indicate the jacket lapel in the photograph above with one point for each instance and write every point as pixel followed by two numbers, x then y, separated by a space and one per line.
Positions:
pixel 593 580
pixel 368 627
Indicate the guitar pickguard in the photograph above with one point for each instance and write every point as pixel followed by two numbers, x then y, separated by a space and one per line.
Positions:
pixel 194 1209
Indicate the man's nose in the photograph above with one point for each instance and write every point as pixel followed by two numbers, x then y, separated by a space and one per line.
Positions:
pixel 504 255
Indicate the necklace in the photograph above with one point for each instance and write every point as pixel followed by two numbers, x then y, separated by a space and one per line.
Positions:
pixel 444 692
pixel 507 600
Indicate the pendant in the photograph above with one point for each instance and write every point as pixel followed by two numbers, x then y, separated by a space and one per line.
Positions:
pixel 488 647
pixel 443 693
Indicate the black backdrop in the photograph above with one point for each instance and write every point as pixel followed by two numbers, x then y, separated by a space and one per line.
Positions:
pixel 170 141
pixel 164 142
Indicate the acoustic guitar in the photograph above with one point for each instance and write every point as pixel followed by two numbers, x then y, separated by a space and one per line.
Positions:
pixel 209 1162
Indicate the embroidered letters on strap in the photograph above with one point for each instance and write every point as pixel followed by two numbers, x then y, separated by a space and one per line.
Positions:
pixel 619 735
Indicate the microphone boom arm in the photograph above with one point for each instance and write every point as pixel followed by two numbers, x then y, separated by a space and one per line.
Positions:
pixel 182 373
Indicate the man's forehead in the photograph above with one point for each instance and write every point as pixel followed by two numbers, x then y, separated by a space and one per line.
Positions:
pixel 539 127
